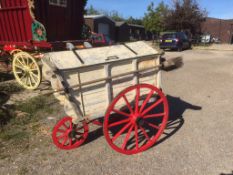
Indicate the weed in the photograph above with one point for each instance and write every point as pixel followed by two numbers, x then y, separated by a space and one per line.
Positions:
pixel 11 87
pixel 24 122
pixel 23 171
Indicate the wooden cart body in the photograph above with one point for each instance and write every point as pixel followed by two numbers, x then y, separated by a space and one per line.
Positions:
pixel 93 77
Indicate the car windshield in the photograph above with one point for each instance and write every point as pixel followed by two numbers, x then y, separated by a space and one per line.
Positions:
pixel 169 35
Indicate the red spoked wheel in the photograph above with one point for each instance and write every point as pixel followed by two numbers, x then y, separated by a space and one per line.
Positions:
pixel 136 118
pixel 67 135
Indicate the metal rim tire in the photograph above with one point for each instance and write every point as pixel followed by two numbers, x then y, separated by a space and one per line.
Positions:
pixel 15 51
pixel 67 135
pixel 138 125
pixel 26 70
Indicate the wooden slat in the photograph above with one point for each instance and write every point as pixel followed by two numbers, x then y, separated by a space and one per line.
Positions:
pixel 5 22
pixel 20 21
pixel 15 22
pixel 11 21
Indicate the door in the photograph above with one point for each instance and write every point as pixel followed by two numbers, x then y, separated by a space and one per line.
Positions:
pixel 103 29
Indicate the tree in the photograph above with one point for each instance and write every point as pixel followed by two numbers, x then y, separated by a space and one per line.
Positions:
pixel 154 19
pixel 132 20
pixel 92 11
pixel 111 14
pixel 114 15
pixel 186 15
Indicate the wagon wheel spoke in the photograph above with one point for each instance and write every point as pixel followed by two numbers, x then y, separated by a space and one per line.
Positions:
pixel 61 130
pixel 65 126
pixel 62 136
pixel 152 107
pixel 146 100
pixel 154 115
pixel 70 141
pixel 120 132
pixel 137 100
pixel 32 77
pixel 64 141
pixel 121 113
pixel 127 137
pixel 144 133
pixel 136 136
pixel 119 123
pixel 20 62
pixel 152 125
pixel 23 60
pixel 19 67
pixel 128 104
pixel 30 81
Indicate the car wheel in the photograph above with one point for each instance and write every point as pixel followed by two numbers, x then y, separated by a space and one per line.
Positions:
pixel 179 49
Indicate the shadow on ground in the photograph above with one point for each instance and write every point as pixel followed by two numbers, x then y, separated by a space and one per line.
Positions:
pixel 227 174
pixel 4 113
pixel 6 76
pixel 177 107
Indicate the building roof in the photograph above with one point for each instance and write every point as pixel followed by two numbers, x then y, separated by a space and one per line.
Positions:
pixel 135 25
pixel 97 17
pixel 120 23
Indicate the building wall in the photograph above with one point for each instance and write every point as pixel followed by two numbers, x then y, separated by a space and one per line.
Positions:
pixel 122 33
pixel 218 28
pixel 111 24
pixel 90 23
pixel 137 33
pixel 61 23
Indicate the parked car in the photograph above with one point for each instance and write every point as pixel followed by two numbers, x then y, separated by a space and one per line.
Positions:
pixel 206 38
pixel 98 39
pixel 177 41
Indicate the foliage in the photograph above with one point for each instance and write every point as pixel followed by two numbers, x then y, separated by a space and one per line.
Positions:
pixel 92 11
pixel 136 21
pixel 112 14
pixel 186 15
pixel 154 19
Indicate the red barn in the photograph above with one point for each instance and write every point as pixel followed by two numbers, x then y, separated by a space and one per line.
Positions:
pixel 63 19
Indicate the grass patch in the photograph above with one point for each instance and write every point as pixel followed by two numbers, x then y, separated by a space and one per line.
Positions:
pixel 24 121
pixel 10 87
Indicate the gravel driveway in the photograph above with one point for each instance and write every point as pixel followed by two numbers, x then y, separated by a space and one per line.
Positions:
pixel 197 141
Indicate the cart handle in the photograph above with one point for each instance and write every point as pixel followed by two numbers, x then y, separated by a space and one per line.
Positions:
pixel 112 58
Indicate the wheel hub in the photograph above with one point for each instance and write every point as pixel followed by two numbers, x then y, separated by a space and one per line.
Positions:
pixel 140 121
pixel 72 134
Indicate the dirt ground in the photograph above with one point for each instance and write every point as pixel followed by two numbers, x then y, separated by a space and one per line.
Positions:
pixel 198 140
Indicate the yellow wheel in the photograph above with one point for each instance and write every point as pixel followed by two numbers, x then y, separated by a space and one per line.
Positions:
pixel 15 51
pixel 26 70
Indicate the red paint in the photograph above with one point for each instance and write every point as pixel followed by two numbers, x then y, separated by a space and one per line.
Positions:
pixel 15 26
pixel 68 136
pixel 138 122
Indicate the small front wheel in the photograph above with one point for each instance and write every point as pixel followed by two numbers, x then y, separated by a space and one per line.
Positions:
pixel 67 135
pixel 135 119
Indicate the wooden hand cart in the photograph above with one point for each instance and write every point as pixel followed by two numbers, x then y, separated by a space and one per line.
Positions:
pixel 124 79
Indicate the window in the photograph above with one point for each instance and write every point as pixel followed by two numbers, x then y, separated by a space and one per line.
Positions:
pixel 61 3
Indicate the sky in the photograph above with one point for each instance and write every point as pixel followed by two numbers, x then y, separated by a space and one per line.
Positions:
pixel 216 8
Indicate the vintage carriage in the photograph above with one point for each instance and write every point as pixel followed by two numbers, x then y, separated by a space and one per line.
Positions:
pixel 124 79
